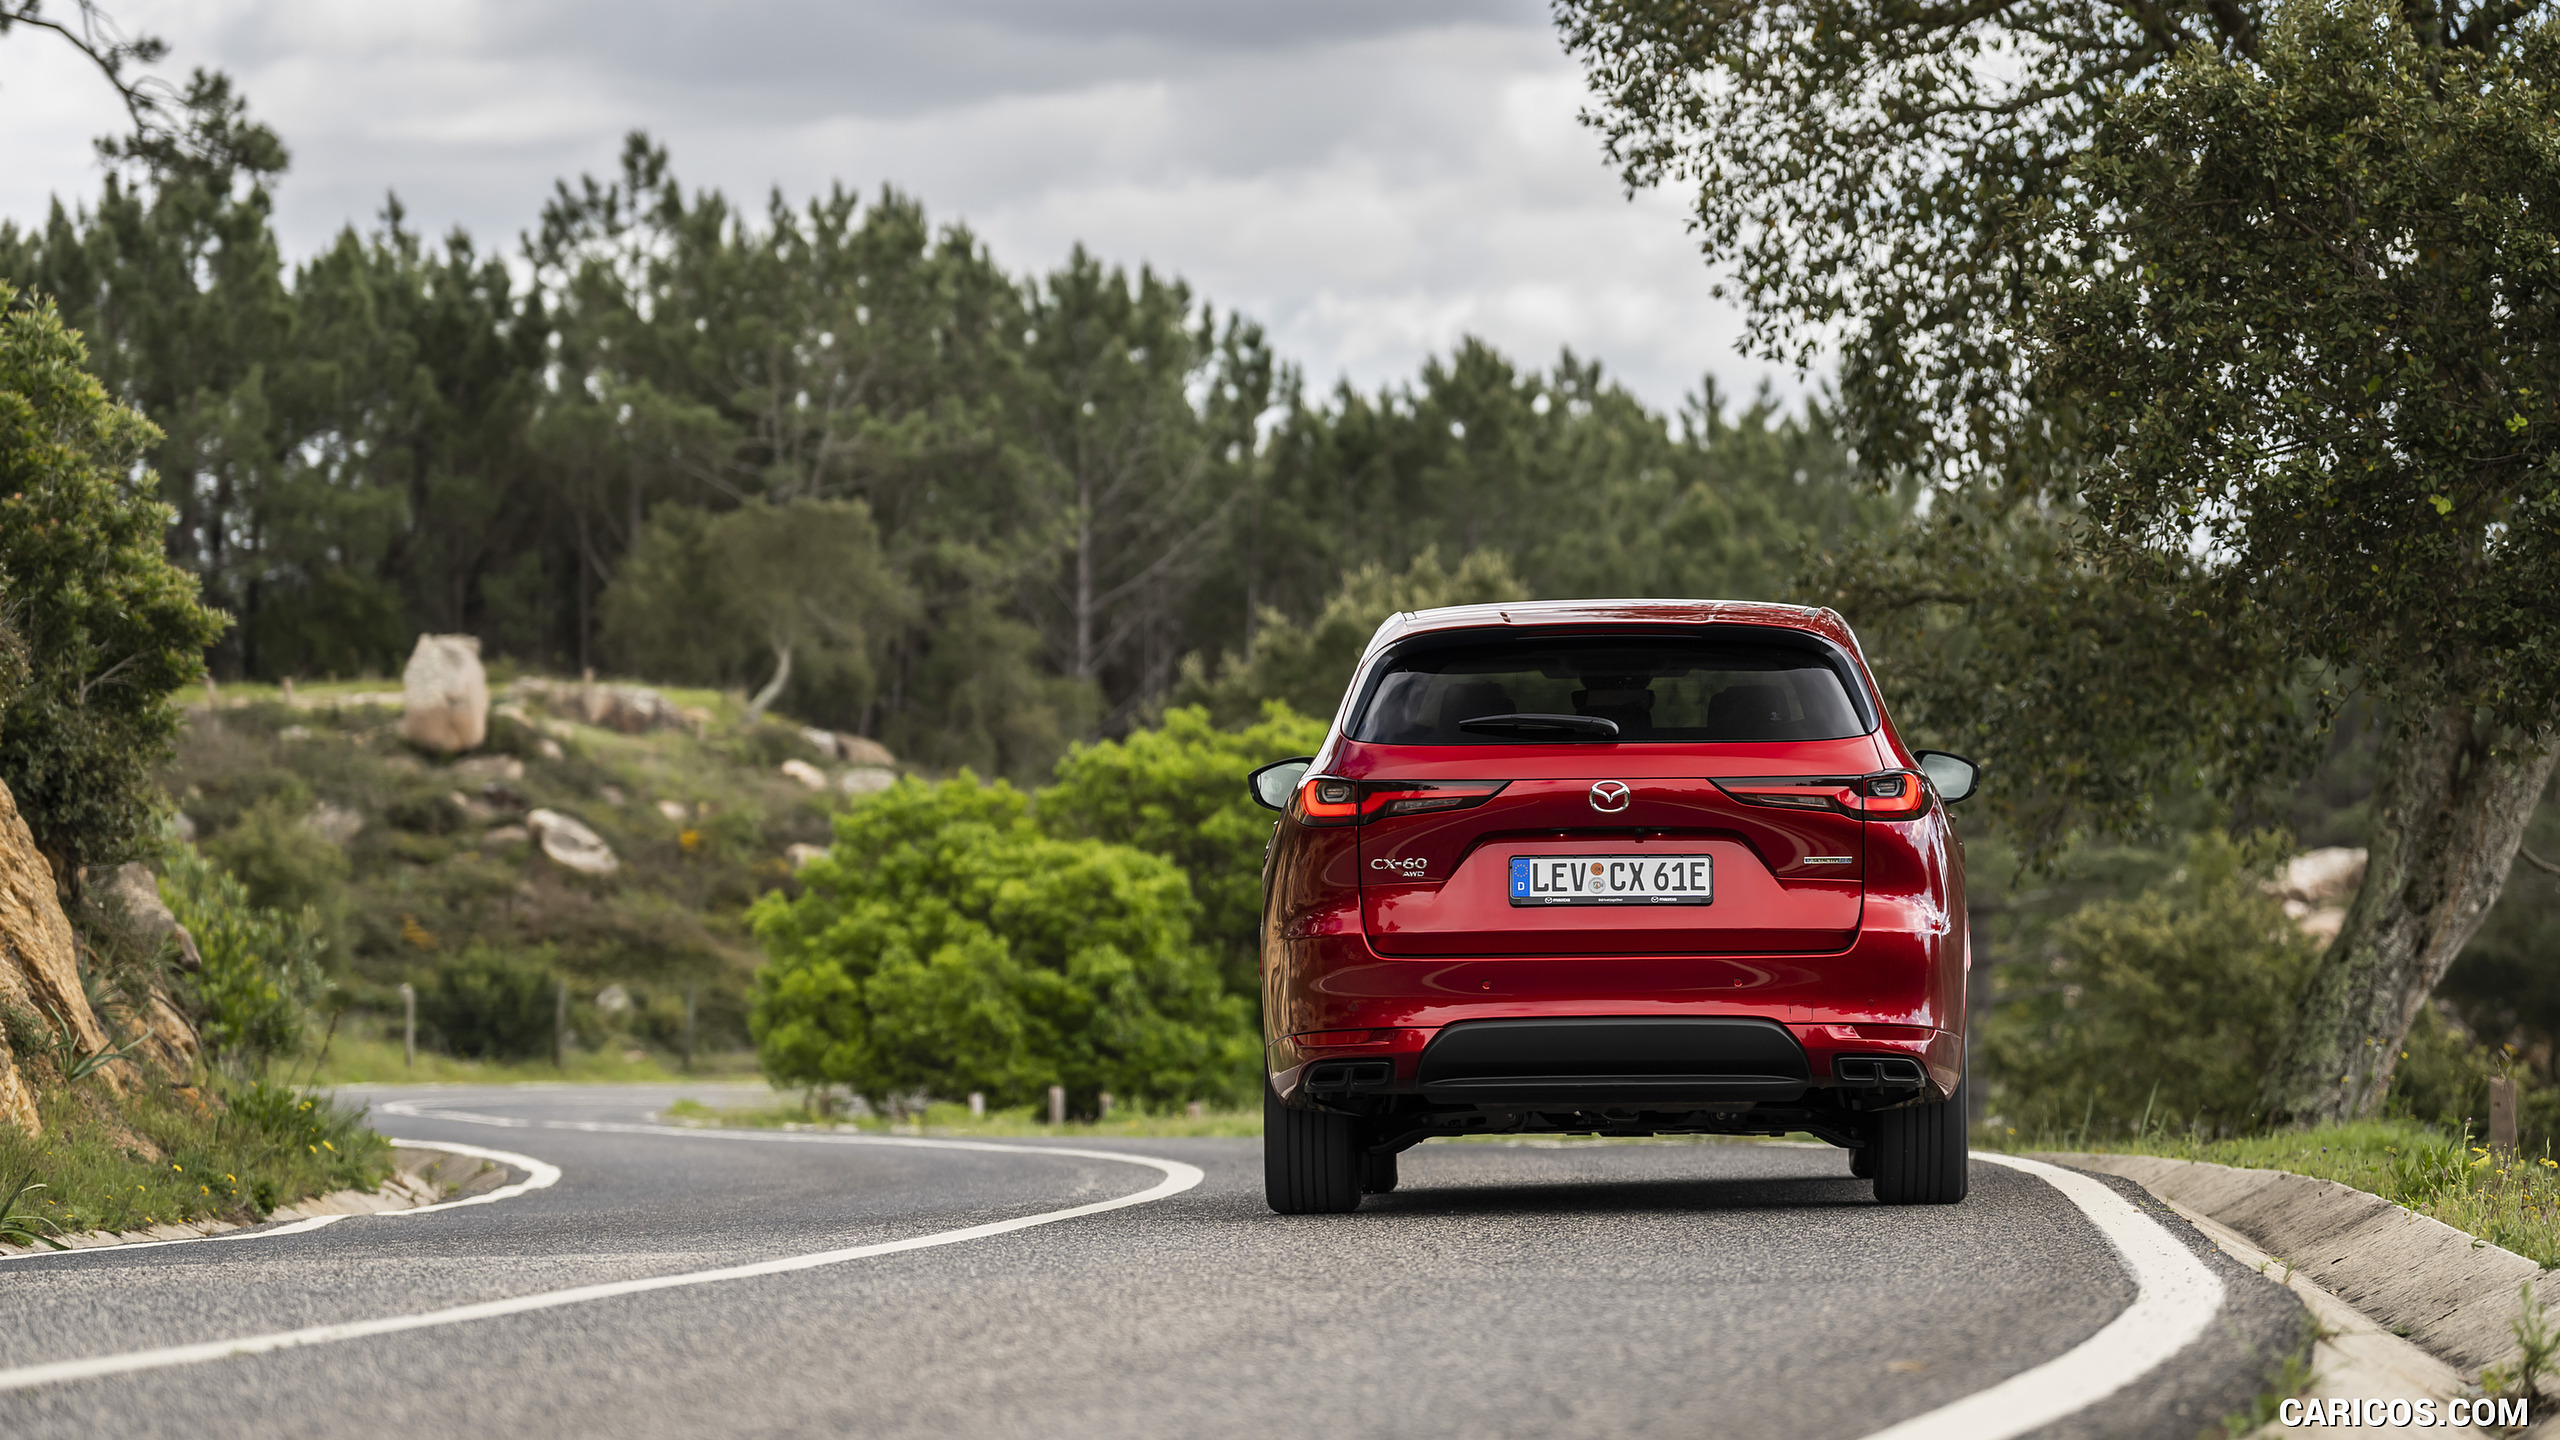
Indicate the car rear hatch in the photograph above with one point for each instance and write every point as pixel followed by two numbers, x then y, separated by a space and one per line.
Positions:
pixel 1776 880
pixel 1578 794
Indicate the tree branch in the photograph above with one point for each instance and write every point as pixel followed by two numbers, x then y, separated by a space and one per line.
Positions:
pixel 99 37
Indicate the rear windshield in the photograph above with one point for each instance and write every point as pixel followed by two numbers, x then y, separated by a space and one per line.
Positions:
pixel 1689 688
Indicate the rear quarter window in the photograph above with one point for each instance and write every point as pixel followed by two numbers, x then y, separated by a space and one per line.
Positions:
pixel 1700 689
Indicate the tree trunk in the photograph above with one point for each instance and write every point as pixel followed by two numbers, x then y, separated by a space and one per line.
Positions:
pixel 772 690
pixel 2449 815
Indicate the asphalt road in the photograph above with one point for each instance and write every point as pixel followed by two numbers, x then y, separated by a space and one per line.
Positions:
pixel 1601 1290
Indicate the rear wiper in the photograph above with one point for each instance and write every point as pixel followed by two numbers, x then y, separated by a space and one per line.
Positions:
pixel 1582 727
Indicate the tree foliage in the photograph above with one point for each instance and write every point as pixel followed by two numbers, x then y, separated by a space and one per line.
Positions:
pixel 945 944
pixel 106 627
pixel 2166 1006
pixel 1178 790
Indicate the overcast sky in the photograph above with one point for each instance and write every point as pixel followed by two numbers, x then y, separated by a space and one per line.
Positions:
pixel 1372 179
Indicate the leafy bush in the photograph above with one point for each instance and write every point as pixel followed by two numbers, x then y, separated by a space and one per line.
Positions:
pixel 2166 1005
pixel 261 970
pixel 944 944
pixel 282 862
pixel 1178 791
pixel 106 628
pixel 492 1004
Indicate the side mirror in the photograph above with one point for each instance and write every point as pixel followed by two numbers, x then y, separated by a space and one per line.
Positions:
pixel 1954 777
pixel 1273 784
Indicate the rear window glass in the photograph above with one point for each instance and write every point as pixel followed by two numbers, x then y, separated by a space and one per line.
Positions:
pixel 1699 689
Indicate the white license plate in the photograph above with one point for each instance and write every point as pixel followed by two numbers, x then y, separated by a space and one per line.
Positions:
pixel 1612 880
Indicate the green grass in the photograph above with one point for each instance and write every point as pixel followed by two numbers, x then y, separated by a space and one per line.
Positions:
pixel 954 1120
pixel 2513 1202
pixel 162 1157
pixel 359 1060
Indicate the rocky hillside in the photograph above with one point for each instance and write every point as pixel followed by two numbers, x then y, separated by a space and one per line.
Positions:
pixel 484 840
pixel 55 1026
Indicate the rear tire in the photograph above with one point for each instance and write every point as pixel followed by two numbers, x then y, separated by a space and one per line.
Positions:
pixel 1921 1153
pixel 1377 1173
pixel 1311 1161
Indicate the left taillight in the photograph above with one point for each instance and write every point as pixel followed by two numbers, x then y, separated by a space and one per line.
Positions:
pixel 1884 795
pixel 1329 800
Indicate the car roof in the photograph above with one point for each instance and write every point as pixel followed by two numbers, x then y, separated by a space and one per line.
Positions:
pixel 1814 619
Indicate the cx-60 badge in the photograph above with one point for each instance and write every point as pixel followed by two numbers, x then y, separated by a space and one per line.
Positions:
pixel 1610 796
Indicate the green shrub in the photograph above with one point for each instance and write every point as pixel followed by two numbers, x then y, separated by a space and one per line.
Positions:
pixel 104 627
pixel 282 862
pixel 944 944
pixel 492 1004
pixel 261 970
pixel 2165 1006
pixel 1178 791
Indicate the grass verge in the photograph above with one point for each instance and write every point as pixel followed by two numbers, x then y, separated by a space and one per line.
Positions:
pixel 2509 1201
pixel 354 1060
pixel 956 1121
pixel 167 1156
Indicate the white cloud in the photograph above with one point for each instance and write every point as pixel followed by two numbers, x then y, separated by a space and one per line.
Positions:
pixel 1371 181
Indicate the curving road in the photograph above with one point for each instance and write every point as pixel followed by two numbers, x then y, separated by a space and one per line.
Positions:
pixel 1603 1290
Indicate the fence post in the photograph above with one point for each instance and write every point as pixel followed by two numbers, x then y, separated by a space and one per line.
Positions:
pixel 1106 1104
pixel 408 1026
pixel 2502 1115
pixel 689 994
pixel 1057 1104
pixel 977 1105
pixel 560 1027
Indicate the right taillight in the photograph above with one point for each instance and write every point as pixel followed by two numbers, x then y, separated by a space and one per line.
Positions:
pixel 1885 795
pixel 1327 800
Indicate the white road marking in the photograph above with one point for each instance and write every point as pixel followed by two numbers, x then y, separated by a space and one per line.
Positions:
pixel 539 1175
pixel 1178 1177
pixel 2176 1297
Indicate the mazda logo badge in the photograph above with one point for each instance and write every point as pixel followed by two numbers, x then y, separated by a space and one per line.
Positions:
pixel 1610 796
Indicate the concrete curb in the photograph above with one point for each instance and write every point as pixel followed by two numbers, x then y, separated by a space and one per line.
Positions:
pixel 418 1177
pixel 2452 1294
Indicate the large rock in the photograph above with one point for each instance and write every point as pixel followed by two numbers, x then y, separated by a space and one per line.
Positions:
pixel 136 891
pixel 631 709
pixel 2316 887
pixel 39 970
pixel 446 695
pixel 570 844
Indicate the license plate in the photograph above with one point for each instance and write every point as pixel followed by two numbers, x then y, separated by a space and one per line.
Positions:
pixel 1612 880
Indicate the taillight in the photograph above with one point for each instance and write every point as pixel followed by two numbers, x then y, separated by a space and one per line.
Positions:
pixel 1885 795
pixel 1892 795
pixel 1324 800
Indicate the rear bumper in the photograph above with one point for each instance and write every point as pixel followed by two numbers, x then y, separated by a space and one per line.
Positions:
pixel 1391 1061
pixel 1898 990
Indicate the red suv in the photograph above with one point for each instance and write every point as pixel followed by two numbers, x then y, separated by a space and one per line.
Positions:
pixel 1624 867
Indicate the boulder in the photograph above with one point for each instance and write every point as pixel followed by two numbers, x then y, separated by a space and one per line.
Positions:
pixel 866 780
pixel 630 709
pixel 485 768
pixel 570 844
pixel 135 890
pixel 334 823
pixel 445 695
pixel 806 773
pixel 860 750
pixel 2316 887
